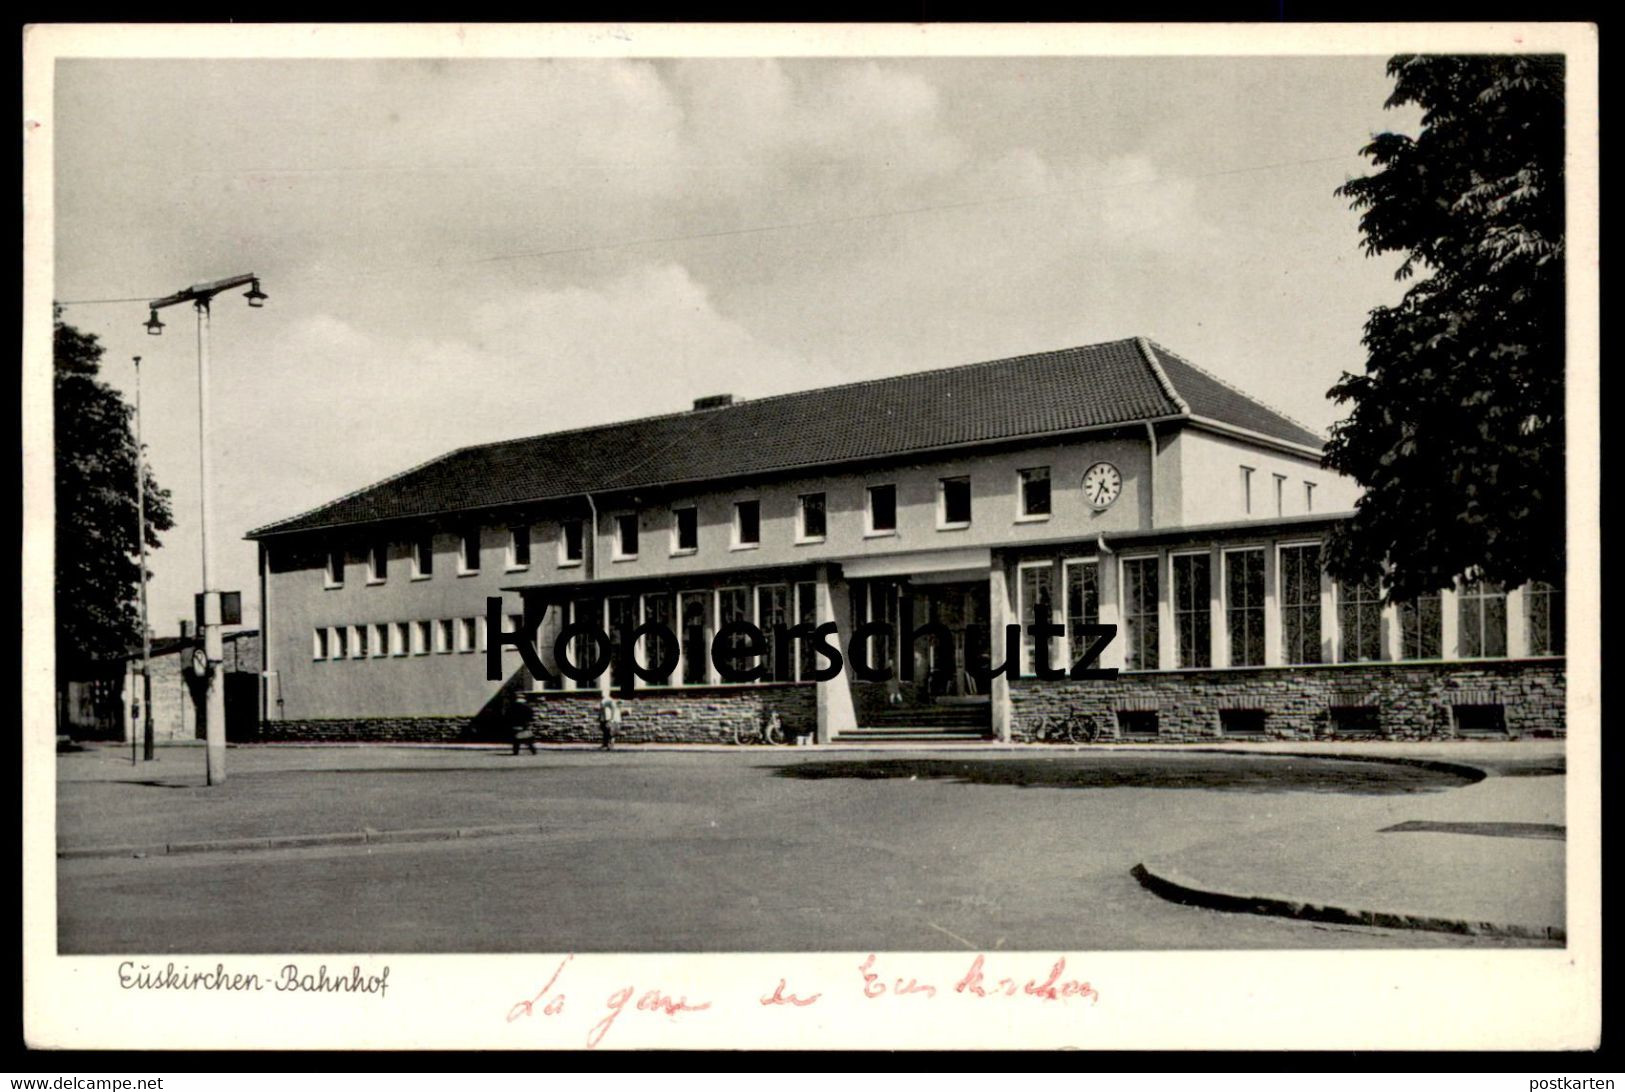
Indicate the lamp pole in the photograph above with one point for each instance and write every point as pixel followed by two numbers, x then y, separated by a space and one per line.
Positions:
pixel 141 540
pixel 214 697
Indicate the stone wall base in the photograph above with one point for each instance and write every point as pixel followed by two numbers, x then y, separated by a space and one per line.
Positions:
pixel 1409 701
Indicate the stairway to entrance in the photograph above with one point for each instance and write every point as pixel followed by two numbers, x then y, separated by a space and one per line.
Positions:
pixel 938 722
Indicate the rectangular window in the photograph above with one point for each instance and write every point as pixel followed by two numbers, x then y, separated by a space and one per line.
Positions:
pixel 1421 628
pixel 359 642
pixel 747 524
pixel 772 616
pixel 1241 722
pixel 953 502
pixel 623 619
pixel 1280 494
pixel 694 610
pixel 378 563
pixel 1481 620
pixel 1140 634
pixel 1543 609
pixel 468 552
pixel 733 605
pixel 1193 609
pixel 1035 501
pixel 806 614
pixel 882 514
pixel 685 530
pixel 443 635
pixel 658 609
pixel 380 639
pixel 333 571
pixel 570 536
pixel 1037 607
pixel 519 546
pixel 1308 496
pixel 400 638
pixel 1355 721
pixel 1300 604
pixel 516 622
pixel 318 645
pixel 1359 620
pixel 423 557
pixel 341 642
pixel 582 648
pixel 626 536
pixel 1244 606
pixel 420 638
pixel 1479 720
pixel 1137 722
pixel 1247 489
pixel 1082 580
pixel 467 635
pixel 881 606
pixel 812 528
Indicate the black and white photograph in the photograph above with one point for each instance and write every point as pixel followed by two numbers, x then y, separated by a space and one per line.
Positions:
pixel 824 537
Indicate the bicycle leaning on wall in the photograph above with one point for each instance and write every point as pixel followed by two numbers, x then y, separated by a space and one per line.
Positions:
pixel 769 730
pixel 1070 727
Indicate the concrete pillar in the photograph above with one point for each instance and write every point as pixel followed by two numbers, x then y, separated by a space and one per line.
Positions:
pixel 1001 612
pixel 1111 610
pixel 1272 606
pixel 1331 636
pixel 1392 647
pixel 1450 625
pixel 1218 646
pixel 836 712
pixel 1517 623
pixel 1167 639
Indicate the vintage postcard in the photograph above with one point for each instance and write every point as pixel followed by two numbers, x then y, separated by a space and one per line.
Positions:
pixel 821 537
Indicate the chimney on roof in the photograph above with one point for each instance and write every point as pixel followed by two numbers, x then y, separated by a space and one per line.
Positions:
pixel 713 401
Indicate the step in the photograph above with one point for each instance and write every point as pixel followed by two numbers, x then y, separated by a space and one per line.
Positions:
pixel 909 733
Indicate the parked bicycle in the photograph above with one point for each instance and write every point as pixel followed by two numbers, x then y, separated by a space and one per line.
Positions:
pixel 1072 727
pixel 769 731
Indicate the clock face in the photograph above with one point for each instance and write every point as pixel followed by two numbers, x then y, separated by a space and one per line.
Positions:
pixel 1102 484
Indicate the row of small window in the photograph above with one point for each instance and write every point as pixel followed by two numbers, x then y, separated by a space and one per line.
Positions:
pixel 377 640
pixel 468 554
pixel 694 617
pixel 1481 630
pixel 1280 492
pixel 1347 721
pixel 953 513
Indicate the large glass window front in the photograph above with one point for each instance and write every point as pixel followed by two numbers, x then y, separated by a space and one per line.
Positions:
pixel 1082 579
pixel 1244 606
pixel 1140 632
pixel 1481 620
pixel 1193 617
pixel 1359 620
pixel 1300 604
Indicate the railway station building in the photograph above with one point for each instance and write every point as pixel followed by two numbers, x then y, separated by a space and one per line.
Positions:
pixel 1115 484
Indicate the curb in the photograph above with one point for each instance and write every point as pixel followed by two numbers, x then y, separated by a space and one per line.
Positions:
pixel 298 841
pixel 1169 885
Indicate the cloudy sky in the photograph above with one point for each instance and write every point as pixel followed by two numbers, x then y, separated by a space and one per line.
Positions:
pixel 471 250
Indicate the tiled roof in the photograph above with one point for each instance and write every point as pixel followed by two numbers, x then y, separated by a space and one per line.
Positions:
pixel 1044 393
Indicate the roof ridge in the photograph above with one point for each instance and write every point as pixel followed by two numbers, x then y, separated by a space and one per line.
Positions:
pixel 355 492
pixel 719 409
pixel 1163 381
pixel 1233 388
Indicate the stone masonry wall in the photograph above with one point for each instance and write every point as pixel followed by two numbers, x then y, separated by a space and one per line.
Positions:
pixel 1412 701
pixel 693 715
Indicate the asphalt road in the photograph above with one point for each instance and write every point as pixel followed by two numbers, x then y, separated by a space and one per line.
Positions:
pixel 693 852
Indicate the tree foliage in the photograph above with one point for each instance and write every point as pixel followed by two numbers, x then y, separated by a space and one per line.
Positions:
pixel 1456 429
pixel 97 571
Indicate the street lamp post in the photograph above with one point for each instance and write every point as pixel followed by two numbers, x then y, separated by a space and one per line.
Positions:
pixel 141 540
pixel 214 697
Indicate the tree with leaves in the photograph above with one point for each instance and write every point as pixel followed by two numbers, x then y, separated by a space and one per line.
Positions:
pixel 97 573
pixel 1456 429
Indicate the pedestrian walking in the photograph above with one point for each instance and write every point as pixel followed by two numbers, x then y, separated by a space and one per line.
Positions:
pixel 519 722
pixel 609 720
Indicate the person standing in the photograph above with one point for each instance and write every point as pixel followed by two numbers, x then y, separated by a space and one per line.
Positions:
pixel 519 722
pixel 609 720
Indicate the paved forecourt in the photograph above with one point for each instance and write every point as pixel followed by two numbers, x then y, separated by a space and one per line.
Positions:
pixel 741 849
